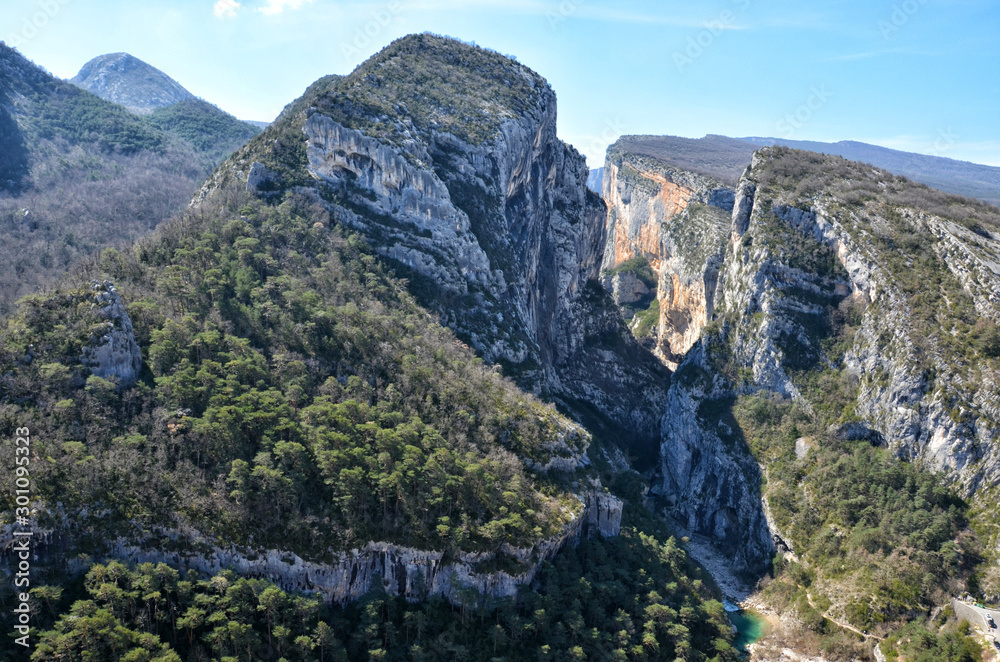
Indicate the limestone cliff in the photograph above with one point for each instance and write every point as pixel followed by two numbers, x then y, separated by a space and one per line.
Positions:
pixel 807 235
pixel 490 220
pixel 815 249
pixel 673 219
pixel 710 484
pixel 927 284
pixel 411 573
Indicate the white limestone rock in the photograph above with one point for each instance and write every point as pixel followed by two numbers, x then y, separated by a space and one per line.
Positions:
pixel 114 353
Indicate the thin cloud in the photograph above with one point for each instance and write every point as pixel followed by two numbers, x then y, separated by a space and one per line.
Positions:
pixel 850 57
pixel 226 8
pixel 585 12
pixel 274 7
pixel 641 18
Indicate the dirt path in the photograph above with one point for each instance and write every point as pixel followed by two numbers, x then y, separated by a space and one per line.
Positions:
pixel 841 624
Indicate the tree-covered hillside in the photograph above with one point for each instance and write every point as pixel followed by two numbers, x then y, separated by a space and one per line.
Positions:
pixel 209 130
pixel 78 173
pixel 288 369
pixel 297 402
pixel 295 397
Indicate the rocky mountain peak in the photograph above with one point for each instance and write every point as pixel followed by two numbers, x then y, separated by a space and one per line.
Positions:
pixel 445 156
pixel 113 352
pixel 424 83
pixel 125 79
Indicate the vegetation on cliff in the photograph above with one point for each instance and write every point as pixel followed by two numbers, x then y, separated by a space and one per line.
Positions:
pixel 295 398
pixel 870 540
pixel 631 598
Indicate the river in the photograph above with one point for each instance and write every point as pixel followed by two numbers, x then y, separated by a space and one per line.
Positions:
pixel 749 626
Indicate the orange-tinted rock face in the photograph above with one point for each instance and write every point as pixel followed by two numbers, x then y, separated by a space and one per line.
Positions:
pixel 642 205
pixel 683 314
pixel 638 232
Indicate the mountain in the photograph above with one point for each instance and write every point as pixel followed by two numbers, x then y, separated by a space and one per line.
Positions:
pixel 128 81
pixel 506 256
pixel 960 177
pixel 398 385
pixel 78 173
pixel 718 157
pixel 205 127
pixel 285 410
pixel 725 158
pixel 827 320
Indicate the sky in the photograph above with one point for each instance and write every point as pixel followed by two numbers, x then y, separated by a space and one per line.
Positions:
pixel 916 75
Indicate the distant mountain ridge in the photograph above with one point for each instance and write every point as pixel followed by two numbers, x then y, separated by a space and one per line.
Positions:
pixel 126 80
pixel 973 180
pixel 79 173
pixel 724 158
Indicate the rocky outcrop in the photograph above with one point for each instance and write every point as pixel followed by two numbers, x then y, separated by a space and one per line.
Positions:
pixel 689 278
pixel 260 181
pixel 407 572
pixel 625 287
pixel 603 515
pixel 113 352
pixel 430 235
pixel 404 571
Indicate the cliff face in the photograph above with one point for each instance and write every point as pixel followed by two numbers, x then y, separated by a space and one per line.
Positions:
pixel 673 219
pixel 677 222
pixel 823 267
pixel 493 225
pixel 407 572
pixel 927 285
pixel 710 482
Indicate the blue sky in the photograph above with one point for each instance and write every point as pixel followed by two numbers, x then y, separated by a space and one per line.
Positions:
pixel 918 75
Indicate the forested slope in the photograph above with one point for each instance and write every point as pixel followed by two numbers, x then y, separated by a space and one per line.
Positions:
pixel 78 173
pixel 302 417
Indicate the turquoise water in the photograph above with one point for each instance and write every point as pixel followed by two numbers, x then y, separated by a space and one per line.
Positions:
pixel 750 628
